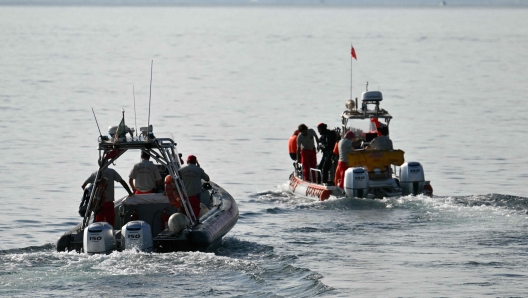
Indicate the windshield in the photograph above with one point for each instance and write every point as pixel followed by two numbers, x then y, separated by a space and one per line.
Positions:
pixel 363 129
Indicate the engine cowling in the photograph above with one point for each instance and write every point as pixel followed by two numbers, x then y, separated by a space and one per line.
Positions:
pixel 356 182
pixel 99 238
pixel 137 234
pixel 412 178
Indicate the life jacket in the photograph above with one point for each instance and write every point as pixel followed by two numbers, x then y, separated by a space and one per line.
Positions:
pixel 292 144
pixel 171 192
pixel 336 149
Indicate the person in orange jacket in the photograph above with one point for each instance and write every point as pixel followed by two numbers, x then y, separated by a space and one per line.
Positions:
pixel 292 145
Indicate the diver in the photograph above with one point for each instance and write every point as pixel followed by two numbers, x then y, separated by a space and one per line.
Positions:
pixel 327 143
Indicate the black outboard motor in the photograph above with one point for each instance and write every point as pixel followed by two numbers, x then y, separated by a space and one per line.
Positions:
pixel 85 199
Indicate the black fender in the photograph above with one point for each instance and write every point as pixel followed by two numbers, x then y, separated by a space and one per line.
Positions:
pixel 63 244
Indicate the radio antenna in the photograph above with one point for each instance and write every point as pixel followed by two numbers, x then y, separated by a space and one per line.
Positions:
pixel 100 134
pixel 135 117
pixel 150 98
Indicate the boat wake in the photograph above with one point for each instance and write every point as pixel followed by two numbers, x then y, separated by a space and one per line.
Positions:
pixel 249 268
pixel 504 204
pixel 492 202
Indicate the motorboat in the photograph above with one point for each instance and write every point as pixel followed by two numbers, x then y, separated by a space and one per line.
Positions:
pixel 161 221
pixel 371 173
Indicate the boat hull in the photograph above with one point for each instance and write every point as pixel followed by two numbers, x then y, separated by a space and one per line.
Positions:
pixel 320 192
pixel 377 189
pixel 205 236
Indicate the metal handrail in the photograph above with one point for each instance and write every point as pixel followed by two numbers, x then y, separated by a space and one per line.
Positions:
pixel 172 166
pixel 315 170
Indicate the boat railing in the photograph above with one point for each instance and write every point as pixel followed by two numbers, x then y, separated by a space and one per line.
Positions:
pixel 318 175
pixel 172 165
pixel 298 170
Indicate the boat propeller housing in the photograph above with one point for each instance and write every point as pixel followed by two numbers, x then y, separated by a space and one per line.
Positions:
pixel 356 182
pixel 412 178
pixel 137 234
pixel 99 238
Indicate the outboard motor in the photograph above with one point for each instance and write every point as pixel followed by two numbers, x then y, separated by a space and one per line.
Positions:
pixel 356 182
pixel 137 235
pixel 99 238
pixel 412 179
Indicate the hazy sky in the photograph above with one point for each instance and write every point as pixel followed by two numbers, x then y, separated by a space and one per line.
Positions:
pixel 276 2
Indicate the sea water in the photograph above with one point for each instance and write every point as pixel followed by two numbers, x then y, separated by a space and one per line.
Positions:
pixel 232 84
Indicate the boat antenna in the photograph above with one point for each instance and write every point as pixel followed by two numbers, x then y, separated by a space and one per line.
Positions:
pixel 100 134
pixel 135 117
pixel 366 87
pixel 150 97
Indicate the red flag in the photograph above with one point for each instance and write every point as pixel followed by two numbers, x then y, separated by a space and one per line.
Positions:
pixel 353 52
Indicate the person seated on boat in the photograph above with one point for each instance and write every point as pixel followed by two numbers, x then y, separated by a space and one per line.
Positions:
pixel 306 154
pixel 292 145
pixel 107 211
pixel 345 146
pixel 192 176
pixel 382 142
pixel 146 175
pixel 327 142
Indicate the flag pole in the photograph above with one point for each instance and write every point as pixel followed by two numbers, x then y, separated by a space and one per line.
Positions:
pixel 351 47
pixel 352 57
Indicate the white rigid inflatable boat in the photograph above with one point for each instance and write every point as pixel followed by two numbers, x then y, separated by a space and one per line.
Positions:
pixel 150 222
pixel 371 173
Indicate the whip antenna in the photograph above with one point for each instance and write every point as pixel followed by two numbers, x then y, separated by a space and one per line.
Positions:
pixel 100 134
pixel 150 97
pixel 135 117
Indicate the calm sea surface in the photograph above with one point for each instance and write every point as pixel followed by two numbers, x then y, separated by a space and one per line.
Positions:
pixel 231 85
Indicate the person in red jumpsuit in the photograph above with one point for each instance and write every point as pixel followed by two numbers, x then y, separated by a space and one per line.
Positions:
pixel 306 154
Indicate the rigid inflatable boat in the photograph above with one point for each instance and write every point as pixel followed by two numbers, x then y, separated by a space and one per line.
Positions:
pixel 371 173
pixel 162 221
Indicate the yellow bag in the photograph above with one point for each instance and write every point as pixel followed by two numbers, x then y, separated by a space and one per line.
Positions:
pixel 372 159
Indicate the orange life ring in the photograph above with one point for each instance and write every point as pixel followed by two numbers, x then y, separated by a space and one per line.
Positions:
pixel 171 193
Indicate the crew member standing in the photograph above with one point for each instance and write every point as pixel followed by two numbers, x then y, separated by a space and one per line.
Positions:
pixel 326 144
pixel 292 145
pixel 192 176
pixel 306 154
pixel 107 212
pixel 345 146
